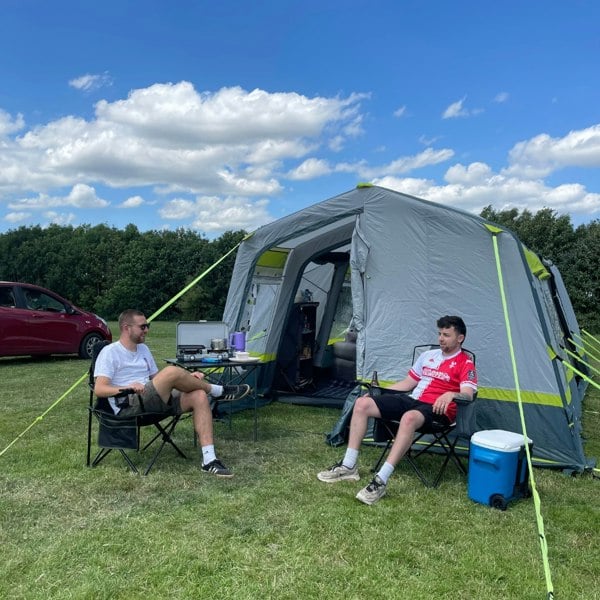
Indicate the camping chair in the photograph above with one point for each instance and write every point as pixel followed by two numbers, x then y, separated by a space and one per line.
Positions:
pixel 123 434
pixel 441 438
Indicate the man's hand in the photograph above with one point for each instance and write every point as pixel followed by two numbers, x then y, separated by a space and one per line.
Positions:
pixel 441 404
pixel 198 374
pixel 137 387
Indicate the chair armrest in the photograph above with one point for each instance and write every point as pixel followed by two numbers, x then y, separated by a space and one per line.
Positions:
pixel 463 399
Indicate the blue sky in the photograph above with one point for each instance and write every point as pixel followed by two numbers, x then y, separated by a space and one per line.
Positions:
pixel 226 115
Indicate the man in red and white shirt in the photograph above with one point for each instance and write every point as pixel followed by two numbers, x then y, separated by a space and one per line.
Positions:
pixel 433 381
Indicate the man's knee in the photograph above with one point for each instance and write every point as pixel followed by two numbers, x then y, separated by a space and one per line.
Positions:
pixel 412 420
pixel 364 405
pixel 194 400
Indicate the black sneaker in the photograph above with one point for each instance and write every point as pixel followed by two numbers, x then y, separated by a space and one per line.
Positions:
pixel 216 467
pixel 234 392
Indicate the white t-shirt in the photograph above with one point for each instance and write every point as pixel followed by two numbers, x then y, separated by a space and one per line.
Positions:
pixel 123 367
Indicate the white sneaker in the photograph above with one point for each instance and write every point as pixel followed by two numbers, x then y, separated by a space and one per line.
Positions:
pixel 373 492
pixel 339 472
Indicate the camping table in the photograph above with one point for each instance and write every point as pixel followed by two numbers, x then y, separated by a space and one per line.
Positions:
pixel 228 372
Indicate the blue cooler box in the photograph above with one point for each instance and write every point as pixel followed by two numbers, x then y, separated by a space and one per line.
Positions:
pixel 498 467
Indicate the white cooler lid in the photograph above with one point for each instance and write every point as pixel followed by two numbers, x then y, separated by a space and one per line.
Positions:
pixel 498 439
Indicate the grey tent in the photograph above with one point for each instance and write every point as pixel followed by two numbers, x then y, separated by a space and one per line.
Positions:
pixel 388 265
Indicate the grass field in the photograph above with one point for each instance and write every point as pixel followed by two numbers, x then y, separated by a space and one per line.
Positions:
pixel 273 531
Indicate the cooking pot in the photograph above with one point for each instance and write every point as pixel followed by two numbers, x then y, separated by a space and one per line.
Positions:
pixel 218 344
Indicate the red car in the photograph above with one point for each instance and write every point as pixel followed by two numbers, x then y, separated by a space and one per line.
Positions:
pixel 36 321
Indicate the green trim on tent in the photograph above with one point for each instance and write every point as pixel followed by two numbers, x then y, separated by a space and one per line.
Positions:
pixel 535 265
pixel 493 228
pixel 364 185
pixel 528 397
pixel 274 258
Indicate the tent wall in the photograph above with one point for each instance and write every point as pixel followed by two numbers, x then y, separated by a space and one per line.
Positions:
pixel 412 261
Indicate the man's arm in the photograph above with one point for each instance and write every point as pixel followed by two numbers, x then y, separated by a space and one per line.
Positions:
pixel 441 404
pixel 408 384
pixel 103 387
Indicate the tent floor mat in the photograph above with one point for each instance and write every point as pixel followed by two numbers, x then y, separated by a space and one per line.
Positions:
pixel 329 394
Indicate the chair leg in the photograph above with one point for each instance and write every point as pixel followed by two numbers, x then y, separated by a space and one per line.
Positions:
pixel 166 433
pixel 104 452
pixel 89 439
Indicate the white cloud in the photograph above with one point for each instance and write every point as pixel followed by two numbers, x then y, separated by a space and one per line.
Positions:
pixel 400 111
pixel 9 125
pixel 310 169
pixel 16 217
pixel 429 141
pixel 501 97
pixel 457 109
pixel 80 196
pixel 404 164
pixel 132 202
pixel 231 142
pixel 89 82
pixel 210 213
pixel 228 148
pixel 543 154
pixel 55 218
pixel 476 186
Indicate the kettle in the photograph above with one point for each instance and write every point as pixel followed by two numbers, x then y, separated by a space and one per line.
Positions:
pixel 218 344
pixel 237 341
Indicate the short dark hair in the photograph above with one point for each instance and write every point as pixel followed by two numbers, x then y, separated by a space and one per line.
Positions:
pixel 452 321
pixel 127 315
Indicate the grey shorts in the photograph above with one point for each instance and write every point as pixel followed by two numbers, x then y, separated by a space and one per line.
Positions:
pixel 149 401
pixel 392 407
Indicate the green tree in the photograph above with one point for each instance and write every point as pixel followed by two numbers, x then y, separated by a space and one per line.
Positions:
pixel 576 253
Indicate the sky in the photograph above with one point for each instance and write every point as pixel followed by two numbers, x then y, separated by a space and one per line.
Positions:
pixel 226 115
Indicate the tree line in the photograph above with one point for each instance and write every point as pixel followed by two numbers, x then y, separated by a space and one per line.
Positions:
pixel 105 269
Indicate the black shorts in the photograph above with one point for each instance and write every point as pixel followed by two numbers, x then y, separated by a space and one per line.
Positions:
pixel 150 402
pixel 393 405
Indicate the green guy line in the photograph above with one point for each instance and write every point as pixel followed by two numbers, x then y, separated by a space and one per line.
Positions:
pixel 536 497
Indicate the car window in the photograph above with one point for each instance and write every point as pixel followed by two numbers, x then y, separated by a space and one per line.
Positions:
pixel 36 300
pixel 7 298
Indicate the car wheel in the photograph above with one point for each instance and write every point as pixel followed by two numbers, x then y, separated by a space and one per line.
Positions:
pixel 88 343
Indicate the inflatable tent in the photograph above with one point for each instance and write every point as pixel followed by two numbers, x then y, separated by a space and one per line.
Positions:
pixel 388 265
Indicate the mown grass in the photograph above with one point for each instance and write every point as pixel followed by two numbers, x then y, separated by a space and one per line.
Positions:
pixel 273 531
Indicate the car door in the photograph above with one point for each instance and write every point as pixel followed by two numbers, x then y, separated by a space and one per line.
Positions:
pixel 13 322
pixel 47 323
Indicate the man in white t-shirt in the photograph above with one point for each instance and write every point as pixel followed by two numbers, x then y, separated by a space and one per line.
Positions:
pixel 129 364
pixel 433 381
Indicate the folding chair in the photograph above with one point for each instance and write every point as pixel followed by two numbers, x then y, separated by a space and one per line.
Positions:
pixel 123 434
pixel 439 437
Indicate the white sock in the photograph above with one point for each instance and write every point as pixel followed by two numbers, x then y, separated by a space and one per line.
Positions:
pixel 216 390
pixel 350 458
pixel 208 454
pixel 385 472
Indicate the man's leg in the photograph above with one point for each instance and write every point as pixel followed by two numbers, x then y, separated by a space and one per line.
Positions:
pixel 197 402
pixel 202 415
pixel 175 378
pixel 364 407
pixel 410 421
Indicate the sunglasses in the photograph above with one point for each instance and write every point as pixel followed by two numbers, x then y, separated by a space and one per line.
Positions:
pixel 143 326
